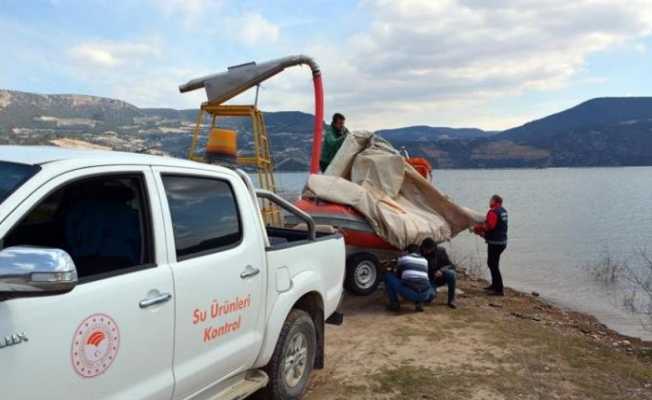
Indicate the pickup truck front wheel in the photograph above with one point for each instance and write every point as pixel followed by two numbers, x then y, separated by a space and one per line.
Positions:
pixel 363 273
pixel 293 358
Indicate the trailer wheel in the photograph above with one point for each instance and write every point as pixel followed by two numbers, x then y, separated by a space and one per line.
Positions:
pixel 293 358
pixel 362 274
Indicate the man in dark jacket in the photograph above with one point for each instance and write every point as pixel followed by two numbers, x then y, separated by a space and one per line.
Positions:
pixel 334 136
pixel 410 281
pixel 441 270
pixel 494 231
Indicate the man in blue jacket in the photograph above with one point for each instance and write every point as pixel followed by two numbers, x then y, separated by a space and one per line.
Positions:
pixel 494 231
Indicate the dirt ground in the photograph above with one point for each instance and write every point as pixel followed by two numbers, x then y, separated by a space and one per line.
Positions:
pixel 516 347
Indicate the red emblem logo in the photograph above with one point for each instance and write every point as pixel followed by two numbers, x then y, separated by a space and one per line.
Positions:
pixel 95 345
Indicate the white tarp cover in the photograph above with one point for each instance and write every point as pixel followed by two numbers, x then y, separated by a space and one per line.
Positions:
pixel 401 206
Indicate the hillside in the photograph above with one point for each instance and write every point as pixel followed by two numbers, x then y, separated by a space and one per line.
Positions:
pixel 28 118
pixel 423 133
pixel 598 132
pixel 591 114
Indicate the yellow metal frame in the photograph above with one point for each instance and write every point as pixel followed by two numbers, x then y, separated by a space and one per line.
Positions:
pixel 261 159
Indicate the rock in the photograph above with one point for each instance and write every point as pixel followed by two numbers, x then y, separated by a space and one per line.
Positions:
pixel 535 294
pixel 496 305
pixel 459 292
pixel 523 316
pixel 626 343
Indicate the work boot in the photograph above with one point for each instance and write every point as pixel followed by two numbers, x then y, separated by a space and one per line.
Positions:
pixel 395 307
pixel 418 306
pixel 489 288
pixel 452 305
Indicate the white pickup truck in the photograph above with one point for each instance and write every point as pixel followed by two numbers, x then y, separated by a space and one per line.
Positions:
pixel 127 276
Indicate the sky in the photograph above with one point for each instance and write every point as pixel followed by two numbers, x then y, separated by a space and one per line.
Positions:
pixel 491 64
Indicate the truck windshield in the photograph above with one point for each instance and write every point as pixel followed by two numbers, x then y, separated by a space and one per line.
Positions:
pixel 12 175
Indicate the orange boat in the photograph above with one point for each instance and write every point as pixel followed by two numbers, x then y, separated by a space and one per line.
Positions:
pixel 366 251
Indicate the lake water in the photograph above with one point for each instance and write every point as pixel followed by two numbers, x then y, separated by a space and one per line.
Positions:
pixel 561 220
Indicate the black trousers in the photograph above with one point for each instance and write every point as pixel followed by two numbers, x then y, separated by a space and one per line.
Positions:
pixel 493 261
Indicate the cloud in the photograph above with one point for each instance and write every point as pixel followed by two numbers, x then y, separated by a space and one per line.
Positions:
pixel 94 55
pixel 475 46
pixel 641 48
pixel 192 13
pixel 107 54
pixel 420 57
pixel 158 88
pixel 141 72
pixel 254 29
pixel 447 62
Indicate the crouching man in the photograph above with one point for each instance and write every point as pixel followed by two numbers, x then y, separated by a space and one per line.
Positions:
pixel 441 270
pixel 410 281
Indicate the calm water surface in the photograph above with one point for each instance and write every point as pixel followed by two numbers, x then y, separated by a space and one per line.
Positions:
pixel 561 220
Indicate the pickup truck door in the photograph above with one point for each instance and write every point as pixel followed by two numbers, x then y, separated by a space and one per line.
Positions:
pixel 111 337
pixel 219 277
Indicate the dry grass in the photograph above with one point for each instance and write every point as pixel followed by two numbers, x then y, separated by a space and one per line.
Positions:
pixel 633 284
pixel 512 348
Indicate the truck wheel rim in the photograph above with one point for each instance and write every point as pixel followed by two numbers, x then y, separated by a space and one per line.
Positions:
pixel 365 275
pixel 296 359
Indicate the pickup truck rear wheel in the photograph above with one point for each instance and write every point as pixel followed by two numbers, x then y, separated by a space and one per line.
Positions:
pixel 362 274
pixel 293 358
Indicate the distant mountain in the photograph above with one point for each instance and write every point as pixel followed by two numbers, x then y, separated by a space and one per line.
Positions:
pixel 423 133
pixel 619 144
pixel 599 132
pixel 171 113
pixel 595 113
pixel 28 118
pixel 20 109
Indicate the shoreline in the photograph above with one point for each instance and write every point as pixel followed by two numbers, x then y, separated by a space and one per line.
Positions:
pixel 304 171
pixel 577 308
pixel 514 347
pixel 586 322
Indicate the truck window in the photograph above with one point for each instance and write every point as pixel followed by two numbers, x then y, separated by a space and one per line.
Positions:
pixel 102 222
pixel 204 214
pixel 12 175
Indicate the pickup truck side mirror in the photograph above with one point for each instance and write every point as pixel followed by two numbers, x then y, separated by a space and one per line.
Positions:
pixel 34 271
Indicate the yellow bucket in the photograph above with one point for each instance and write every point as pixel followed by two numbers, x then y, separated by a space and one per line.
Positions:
pixel 222 142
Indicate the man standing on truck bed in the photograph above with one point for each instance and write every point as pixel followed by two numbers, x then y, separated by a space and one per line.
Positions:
pixel 334 135
pixel 494 231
